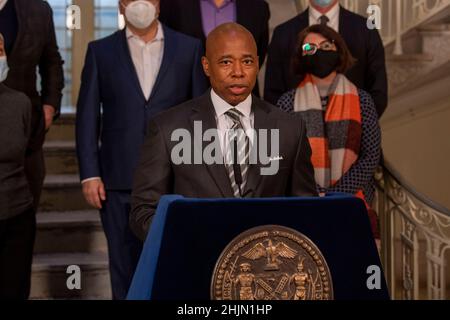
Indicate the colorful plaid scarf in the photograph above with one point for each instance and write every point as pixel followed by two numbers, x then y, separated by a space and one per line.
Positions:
pixel 335 133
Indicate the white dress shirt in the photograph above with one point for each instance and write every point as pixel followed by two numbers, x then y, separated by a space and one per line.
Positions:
pixel 332 14
pixel 147 58
pixel 224 122
pixel 2 3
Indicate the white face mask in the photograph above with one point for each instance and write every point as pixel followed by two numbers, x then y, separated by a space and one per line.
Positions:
pixel 140 13
pixel 3 69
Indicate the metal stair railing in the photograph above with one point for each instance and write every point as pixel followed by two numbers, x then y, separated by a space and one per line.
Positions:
pixel 415 236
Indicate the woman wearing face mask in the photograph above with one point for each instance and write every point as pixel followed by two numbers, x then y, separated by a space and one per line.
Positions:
pixel 341 120
pixel 17 220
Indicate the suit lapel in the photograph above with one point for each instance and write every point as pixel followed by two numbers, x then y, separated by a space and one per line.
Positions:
pixel 204 112
pixel 262 120
pixel 170 48
pixel 127 62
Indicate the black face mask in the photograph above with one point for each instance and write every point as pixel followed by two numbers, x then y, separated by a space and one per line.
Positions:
pixel 322 63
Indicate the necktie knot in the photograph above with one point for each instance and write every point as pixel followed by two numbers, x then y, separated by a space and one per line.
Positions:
pixel 234 114
pixel 324 20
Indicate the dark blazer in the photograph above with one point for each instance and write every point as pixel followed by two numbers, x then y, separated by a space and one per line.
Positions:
pixel 15 127
pixel 156 175
pixel 35 45
pixel 185 16
pixel 366 46
pixel 110 83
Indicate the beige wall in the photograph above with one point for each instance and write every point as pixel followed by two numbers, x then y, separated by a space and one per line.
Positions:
pixel 418 147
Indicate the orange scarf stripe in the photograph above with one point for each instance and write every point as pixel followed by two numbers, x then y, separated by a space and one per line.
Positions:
pixel 341 108
pixel 319 156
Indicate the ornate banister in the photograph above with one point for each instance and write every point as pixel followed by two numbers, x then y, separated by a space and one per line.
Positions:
pixel 415 239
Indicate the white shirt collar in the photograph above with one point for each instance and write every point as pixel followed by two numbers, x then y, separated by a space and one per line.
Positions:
pixel 221 106
pixel 332 14
pixel 159 34
pixel 2 3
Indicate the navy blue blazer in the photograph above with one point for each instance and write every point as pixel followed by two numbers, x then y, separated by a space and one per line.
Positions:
pixel 112 111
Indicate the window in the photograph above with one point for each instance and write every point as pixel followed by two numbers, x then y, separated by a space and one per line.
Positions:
pixel 64 39
pixel 106 21
pixel 106 17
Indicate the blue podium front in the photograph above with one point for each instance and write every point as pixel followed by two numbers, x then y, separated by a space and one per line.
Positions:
pixel 187 237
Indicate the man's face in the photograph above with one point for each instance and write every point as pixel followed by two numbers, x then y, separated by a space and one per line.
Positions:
pixel 2 47
pixel 123 4
pixel 232 66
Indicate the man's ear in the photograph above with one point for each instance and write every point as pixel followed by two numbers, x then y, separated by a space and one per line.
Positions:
pixel 205 64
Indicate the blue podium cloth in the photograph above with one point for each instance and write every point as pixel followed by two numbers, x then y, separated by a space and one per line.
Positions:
pixel 187 237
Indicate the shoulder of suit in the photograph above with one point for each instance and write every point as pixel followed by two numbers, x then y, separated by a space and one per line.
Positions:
pixel 20 99
pixel 106 41
pixel 292 24
pixel 40 6
pixel 273 110
pixel 180 37
pixel 355 18
pixel 182 112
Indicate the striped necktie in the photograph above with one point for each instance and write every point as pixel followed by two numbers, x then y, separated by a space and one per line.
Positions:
pixel 237 163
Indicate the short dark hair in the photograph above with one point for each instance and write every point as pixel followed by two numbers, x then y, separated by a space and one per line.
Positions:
pixel 346 60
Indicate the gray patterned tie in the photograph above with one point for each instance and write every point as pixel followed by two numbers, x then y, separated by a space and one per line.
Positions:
pixel 237 163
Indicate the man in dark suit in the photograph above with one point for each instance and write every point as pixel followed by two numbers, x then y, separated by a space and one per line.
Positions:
pixel 131 75
pixel 369 73
pixel 30 42
pixel 231 63
pixel 198 17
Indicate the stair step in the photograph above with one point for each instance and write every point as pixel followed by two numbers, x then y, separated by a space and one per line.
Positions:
pixel 59 145
pixel 60 157
pixel 72 231
pixel 62 193
pixel 61 180
pixel 80 218
pixel 49 276
pixel 63 128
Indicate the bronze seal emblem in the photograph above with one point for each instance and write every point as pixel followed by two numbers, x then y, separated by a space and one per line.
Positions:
pixel 271 263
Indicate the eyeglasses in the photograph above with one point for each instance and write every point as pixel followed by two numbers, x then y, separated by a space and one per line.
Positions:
pixel 309 49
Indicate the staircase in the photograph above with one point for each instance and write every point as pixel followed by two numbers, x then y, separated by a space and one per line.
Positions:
pixel 68 231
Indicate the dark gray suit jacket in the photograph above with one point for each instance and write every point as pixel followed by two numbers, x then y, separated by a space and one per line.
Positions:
pixel 36 46
pixel 156 175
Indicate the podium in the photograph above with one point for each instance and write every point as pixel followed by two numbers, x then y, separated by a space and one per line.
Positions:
pixel 187 237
